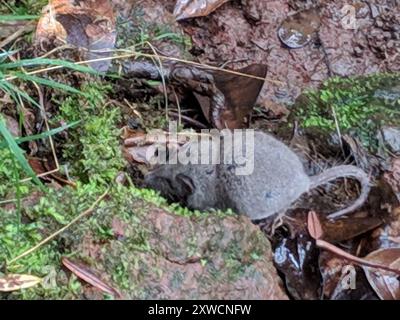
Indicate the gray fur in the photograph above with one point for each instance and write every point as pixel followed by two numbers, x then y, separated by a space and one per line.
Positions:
pixel 278 180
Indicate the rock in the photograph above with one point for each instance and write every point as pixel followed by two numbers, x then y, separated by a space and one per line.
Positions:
pixel 161 255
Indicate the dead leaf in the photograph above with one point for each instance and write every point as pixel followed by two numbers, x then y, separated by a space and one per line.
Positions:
pixel 296 258
pixel 314 225
pixel 86 24
pixel 83 272
pixel 14 282
pixel 238 95
pixel 385 284
pixel 332 270
pixel 342 280
pixel 185 9
pixel 12 126
pixel 348 228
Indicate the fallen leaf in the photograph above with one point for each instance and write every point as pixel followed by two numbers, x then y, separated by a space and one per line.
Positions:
pixel 12 126
pixel 86 24
pixel 185 9
pixel 83 272
pixel 332 272
pixel 238 97
pixel 240 93
pixel 348 228
pixel 314 225
pixel 296 259
pixel 14 282
pixel 342 280
pixel 386 284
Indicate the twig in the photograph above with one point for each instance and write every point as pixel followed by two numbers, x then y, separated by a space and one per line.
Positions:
pixel 27 28
pixel 345 255
pixel 188 120
pixel 147 55
pixel 51 237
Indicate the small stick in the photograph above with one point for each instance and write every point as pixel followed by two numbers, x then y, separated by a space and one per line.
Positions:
pixel 188 120
pixel 347 256
pixel 51 237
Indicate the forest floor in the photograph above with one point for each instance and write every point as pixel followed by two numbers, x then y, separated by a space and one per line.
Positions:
pixel 82 82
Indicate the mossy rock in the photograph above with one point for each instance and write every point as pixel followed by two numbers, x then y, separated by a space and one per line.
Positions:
pixel 144 251
pixel 359 106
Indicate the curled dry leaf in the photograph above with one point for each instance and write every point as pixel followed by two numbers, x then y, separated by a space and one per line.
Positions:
pixel 185 9
pixel 14 282
pixel 386 284
pixel 227 98
pixel 86 24
pixel 240 94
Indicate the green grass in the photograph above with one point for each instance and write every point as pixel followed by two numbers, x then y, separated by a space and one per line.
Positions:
pixel 10 75
pixel 17 152
pixel 17 18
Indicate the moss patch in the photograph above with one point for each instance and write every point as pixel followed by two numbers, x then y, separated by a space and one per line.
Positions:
pixel 358 106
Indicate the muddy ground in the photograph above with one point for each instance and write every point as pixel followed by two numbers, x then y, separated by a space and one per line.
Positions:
pixel 231 35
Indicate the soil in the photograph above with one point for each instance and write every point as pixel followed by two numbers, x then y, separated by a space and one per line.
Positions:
pixel 231 36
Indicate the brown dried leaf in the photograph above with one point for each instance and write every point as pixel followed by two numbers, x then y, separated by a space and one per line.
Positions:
pixel 87 24
pixel 349 228
pixel 314 225
pixel 331 267
pixel 385 284
pixel 185 9
pixel 239 95
pixel 83 272
pixel 14 282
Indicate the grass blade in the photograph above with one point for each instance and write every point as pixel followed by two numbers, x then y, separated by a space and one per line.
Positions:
pixel 18 17
pixel 18 153
pixel 14 91
pixel 47 62
pixel 43 135
pixel 49 83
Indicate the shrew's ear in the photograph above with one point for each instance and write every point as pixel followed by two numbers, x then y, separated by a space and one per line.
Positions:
pixel 186 183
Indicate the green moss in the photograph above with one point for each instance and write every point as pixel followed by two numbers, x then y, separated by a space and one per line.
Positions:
pixel 92 149
pixel 360 105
